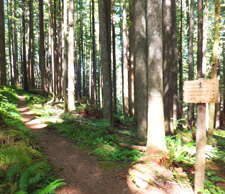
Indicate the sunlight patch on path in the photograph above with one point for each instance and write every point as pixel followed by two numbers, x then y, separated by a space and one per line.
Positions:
pixel 28 117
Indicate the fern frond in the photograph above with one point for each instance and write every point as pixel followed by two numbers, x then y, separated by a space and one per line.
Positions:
pixel 23 182
pixel 52 186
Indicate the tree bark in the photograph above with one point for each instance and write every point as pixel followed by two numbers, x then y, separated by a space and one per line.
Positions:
pixel 191 60
pixel 125 62
pixel 114 57
pixel 15 49
pixel 64 56
pixel 2 46
pixel 71 76
pixel 140 67
pixel 180 110
pixel 156 127
pixel 105 56
pixel 42 50
pixel 214 69
pixel 25 81
pixel 131 60
pixel 31 47
pixel 169 64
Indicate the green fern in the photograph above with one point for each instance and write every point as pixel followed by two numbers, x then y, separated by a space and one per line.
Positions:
pixel 30 171
pixel 52 186
pixel 21 192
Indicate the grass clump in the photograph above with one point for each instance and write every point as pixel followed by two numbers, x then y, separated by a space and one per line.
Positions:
pixel 23 168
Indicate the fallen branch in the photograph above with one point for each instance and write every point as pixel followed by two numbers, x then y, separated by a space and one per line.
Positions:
pixel 133 147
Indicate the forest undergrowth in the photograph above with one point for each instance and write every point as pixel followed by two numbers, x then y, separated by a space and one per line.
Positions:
pixel 100 139
pixel 23 167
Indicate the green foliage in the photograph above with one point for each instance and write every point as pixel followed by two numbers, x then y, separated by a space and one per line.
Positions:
pixel 23 168
pixel 97 135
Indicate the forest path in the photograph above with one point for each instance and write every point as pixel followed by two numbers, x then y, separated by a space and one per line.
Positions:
pixel 81 171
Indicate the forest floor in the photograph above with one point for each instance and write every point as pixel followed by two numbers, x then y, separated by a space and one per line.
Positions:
pixel 88 174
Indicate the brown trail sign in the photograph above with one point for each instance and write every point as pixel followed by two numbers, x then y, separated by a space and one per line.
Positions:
pixel 201 91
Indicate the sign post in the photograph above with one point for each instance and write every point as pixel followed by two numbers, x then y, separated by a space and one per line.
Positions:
pixel 201 91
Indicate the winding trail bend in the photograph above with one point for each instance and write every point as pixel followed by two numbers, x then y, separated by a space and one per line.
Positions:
pixel 82 172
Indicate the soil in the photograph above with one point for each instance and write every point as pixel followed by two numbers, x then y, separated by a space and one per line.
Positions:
pixel 87 174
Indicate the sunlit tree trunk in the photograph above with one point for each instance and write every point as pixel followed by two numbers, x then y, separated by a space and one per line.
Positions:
pixel 222 117
pixel 214 69
pixel 125 61
pixel 31 47
pixel 105 56
pixel 71 76
pixel 42 50
pixel 60 82
pixel 51 43
pixel 131 60
pixel 15 49
pixel 169 63
pixel 114 56
pixel 2 45
pixel 140 67
pixel 25 81
pixel 180 104
pixel 156 127
pixel 191 59
pixel 55 53
pixel 64 56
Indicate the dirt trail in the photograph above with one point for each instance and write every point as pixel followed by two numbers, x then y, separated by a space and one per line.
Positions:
pixel 81 171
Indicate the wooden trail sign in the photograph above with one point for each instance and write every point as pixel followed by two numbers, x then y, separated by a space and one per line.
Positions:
pixel 201 91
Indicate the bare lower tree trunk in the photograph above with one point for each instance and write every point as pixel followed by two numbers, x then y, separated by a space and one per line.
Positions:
pixel 105 56
pixel 125 61
pixel 24 48
pixel 64 56
pixel 140 67
pixel 42 50
pixel 114 57
pixel 214 69
pixel 71 76
pixel 2 46
pixel 156 127
pixel 169 63
pixel 191 60
pixel 15 49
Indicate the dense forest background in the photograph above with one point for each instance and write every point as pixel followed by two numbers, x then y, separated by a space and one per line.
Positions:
pixel 127 57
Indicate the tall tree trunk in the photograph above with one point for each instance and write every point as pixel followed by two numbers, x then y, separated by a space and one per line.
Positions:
pixel 31 47
pixel 105 56
pixel 140 67
pixel 2 46
pixel 91 52
pixel 114 56
pixel 42 50
pixel 156 127
pixel 191 60
pixel 64 55
pixel 214 69
pixel 15 49
pixel 131 60
pixel 55 52
pixel 180 110
pixel 10 39
pixel 24 48
pixel 125 61
pixel 94 86
pixel 169 64
pixel 71 76
pixel 51 43
pixel 201 110
pixel 222 117
pixel 60 82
